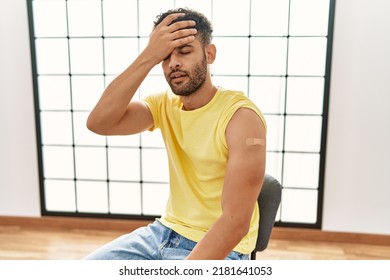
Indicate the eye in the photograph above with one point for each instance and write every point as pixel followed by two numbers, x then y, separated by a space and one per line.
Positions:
pixel 185 51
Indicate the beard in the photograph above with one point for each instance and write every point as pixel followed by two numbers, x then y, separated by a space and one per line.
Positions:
pixel 194 79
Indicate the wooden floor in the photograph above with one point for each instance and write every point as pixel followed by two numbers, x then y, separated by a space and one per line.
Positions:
pixel 46 243
pixel 314 250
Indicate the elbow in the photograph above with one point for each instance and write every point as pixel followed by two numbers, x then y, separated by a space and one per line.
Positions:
pixel 238 232
pixel 242 229
pixel 93 125
pixel 239 227
pixel 90 124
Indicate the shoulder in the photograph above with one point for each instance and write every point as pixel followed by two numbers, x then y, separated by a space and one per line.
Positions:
pixel 231 95
pixel 237 105
pixel 236 99
pixel 164 97
pixel 247 121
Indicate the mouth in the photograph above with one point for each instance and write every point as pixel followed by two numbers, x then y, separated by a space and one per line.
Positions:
pixel 177 77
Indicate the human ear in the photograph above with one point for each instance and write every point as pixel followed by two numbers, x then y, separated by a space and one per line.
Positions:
pixel 211 52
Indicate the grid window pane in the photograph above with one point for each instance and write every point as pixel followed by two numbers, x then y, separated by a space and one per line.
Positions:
pixel 299 206
pixel 269 18
pixel 303 134
pixel 60 195
pixel 238 60
pixel 86 56
pixel 50 18
pixel 118 53
pixel 92 197
pixel 86 91
pixel 224 23
pixel 155 198
pixel 305 95
pixel 56 128
pixel 52 56
pixel 307 56
pixel 309 17
pixel 301 170
pixel 58 162
pixel 124 164
pixel 269 93
pixel 54 92
pixel 91 163
pixel 125 198
pixel 84 18
pixel 268 56
pixel 120 18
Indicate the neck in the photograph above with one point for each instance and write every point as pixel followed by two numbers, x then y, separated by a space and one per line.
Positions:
pixel 199 98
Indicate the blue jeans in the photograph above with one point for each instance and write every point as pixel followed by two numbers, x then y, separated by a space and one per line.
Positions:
pixel 153 242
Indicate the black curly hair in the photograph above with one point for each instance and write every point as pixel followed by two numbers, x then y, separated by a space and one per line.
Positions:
pixel 203 25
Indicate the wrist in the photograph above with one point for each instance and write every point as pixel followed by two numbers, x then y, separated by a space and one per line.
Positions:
pixel 148 58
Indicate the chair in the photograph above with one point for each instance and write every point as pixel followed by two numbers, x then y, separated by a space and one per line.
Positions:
pixel 269 201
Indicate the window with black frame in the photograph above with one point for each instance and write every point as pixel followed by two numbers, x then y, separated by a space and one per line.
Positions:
pixel 279 55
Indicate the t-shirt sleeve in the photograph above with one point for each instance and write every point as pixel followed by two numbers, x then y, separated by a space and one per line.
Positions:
pixel 154 102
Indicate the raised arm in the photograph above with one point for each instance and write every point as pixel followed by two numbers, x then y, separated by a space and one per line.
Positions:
pixel 116 113
pixel 245 137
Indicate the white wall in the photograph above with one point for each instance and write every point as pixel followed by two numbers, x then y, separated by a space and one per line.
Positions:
pixel 357 185
pixel 357 181
pixel 19 193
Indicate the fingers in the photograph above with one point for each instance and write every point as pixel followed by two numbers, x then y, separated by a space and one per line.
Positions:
pixel 173 27
pixel 184 41
pixel 168 20
pixel 181 33
pixel 181 25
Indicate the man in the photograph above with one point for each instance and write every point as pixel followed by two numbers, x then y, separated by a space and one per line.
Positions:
pixel 215 140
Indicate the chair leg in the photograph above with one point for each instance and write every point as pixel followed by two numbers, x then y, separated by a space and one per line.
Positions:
pixel 253 255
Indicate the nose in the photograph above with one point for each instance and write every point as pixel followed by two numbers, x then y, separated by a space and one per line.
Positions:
pixel 174 63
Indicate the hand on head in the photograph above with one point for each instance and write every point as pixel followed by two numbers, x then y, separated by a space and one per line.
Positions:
pixel 167 36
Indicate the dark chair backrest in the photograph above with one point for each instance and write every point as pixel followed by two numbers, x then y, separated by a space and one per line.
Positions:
pixel 269 201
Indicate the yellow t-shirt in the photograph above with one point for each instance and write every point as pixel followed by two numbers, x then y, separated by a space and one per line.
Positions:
pixel 197 154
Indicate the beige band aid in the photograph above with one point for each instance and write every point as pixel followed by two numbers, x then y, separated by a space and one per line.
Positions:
pixel 255 141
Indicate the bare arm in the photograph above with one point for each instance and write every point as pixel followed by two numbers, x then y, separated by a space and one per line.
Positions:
pixel 115 113
pixel 243 180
